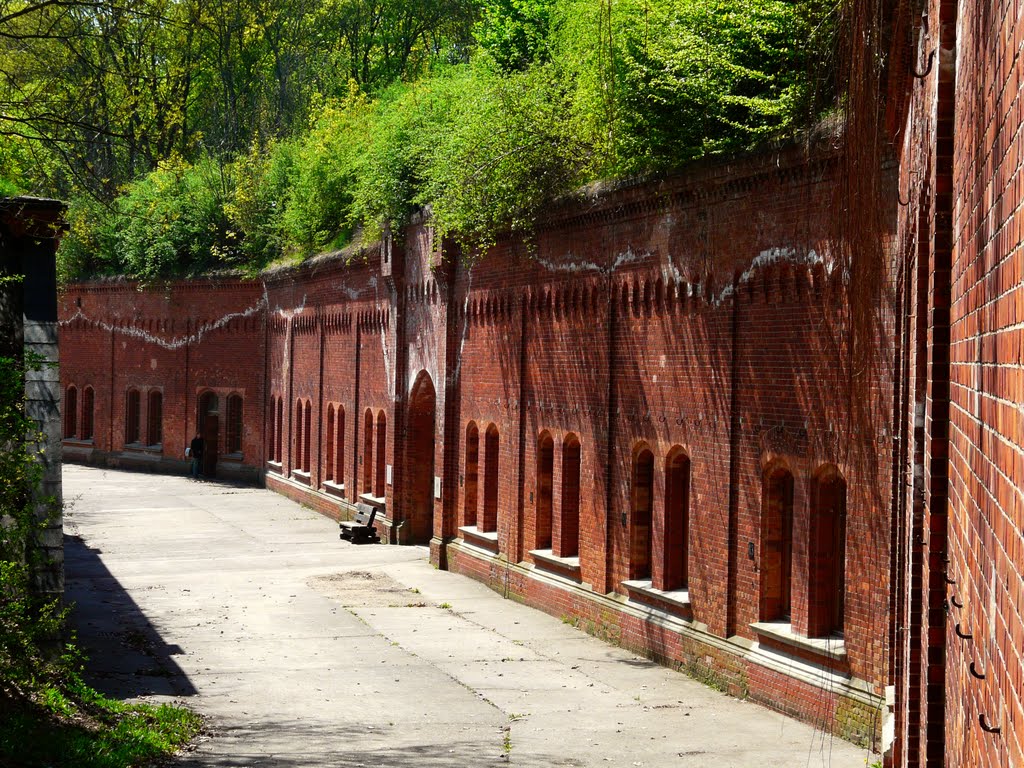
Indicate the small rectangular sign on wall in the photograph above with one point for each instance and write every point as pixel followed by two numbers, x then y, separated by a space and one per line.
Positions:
pixel 387 474
pixel 437 487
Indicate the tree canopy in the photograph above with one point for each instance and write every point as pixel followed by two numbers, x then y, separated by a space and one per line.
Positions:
pixel 196 134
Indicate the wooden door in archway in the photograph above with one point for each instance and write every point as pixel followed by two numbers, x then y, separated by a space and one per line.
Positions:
pixel 209 429
pixel 211 434
pixel 419 461
pixel 776 545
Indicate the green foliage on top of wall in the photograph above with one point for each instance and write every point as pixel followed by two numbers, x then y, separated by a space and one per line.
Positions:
pixel 555 94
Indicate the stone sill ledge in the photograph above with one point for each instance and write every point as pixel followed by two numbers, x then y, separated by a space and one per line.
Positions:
pixel 486 540
pixel 547 560
pixel 674 600
pixel 334 489
pixel 380 502
pixel 275 466
pixel 77 442
pixel 301 477
pixel 342 504
pixel 781 632
pixel 77 449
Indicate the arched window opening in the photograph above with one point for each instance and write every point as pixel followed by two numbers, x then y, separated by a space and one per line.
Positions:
pixel 380 476
pixel 368 452
pixel 545 490
pixel 489 519
pixel 208 424
pixel 272 435
pixel 567 540
pixel 307 424
pixel 71 412
pixel 234 434
pixel 297 435
pixel 676 551
pixel 88 404
pixel 279 455
pixel 776 545
pixel 155 419
pixel 472 474
pixel 131 422
pixel 827 554
pixel 339 447
pixel 209 405
pixel 329 463
pixel 642 504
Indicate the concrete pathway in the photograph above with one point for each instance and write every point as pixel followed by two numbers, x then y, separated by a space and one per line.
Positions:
pixel 303 650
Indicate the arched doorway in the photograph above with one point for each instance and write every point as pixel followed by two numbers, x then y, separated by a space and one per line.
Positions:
pixel 642 502
pixel 675 554
pixel 209 428
pixel 419 461
pixel 776 544
pixel 826 583
pixel 545 490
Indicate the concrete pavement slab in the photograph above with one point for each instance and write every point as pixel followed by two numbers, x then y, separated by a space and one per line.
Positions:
pixel 303 650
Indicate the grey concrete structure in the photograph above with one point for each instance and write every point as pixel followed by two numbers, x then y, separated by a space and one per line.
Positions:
pixel 30 230
pixel 304 650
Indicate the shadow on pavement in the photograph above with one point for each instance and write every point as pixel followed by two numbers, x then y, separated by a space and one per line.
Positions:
pixel 349 749
pixel 127 657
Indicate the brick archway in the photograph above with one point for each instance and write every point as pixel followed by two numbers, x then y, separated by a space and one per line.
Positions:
pixel 419 460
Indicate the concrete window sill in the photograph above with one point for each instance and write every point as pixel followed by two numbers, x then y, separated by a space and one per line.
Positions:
pixel 334 489
pixel 547 560
pixel 675 601
pixel 275 466
pixel 299 476
pixel 374 501
pixel 779 632
pixel 487 540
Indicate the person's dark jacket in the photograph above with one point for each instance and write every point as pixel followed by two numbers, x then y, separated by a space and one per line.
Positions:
pixel 195 448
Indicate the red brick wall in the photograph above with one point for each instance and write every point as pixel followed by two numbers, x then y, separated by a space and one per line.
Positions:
pixel 702 315
pixel 183 341
pixel 986 514
pixel 978 150
pixel 959 594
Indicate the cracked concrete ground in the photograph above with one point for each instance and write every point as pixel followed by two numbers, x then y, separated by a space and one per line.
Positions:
pixel 303 650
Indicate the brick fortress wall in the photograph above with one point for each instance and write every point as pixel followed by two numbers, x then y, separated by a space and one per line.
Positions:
pixel 646 422
pixel 178 343
pixel 960 598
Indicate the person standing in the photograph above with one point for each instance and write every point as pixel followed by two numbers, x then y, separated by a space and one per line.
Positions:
pixel 195 450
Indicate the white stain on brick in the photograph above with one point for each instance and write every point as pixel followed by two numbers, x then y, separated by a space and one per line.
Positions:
pixel 177 342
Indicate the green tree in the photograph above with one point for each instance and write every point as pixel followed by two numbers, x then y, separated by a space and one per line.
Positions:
pixel 515 32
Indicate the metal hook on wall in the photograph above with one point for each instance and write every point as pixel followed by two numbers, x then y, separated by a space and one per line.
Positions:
pixel 974 672
pixel 956 603
pixel 962 635
pixel 928 66
pixel 945 575
pixel 983 722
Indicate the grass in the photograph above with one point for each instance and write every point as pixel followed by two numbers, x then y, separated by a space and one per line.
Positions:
pixel 89 730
